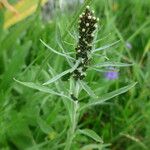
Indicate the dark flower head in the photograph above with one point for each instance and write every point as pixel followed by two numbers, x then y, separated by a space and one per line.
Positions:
pixel 87 26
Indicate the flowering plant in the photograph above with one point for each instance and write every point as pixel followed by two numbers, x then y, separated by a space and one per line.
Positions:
pixel 84 52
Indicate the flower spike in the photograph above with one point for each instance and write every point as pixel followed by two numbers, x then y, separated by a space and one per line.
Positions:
pixel 87 26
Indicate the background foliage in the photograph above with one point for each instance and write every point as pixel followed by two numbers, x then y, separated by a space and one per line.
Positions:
pixel 30 119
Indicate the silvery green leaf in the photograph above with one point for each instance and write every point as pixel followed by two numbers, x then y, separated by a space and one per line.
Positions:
pixel 55 78
pixel 105 47
pixel 56 52
pixel 42 88
pixel 87 89
pixel 112 64
pixel 108 96
pixel 92 134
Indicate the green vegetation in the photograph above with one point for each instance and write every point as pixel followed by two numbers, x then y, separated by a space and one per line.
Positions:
pixel 34 116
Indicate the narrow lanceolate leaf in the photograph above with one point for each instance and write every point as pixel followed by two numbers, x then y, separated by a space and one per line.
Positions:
pixel 105 47
pixel 113 64
pixel 99 70
pixel 108 96
pixel 44 126
pixel 57 77
pixel 92 134
pixel 56 52
pixel 41 88
pixel 87 89
pixel 62 74
pixel 98 146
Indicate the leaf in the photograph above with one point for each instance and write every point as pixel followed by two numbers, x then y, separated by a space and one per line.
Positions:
pixel 24 8
pixel 92 134
pixel 112 64
pixel 87 89
pixel 57 77
pixel 105 47
pixel 108 96
pixel 58 38
pixel 44 125
pixel 62 74
pixel 42 88
pixel 18 131
pixel 99 70
pixel 15 65
pixel 96 146
pixel 135 139
pixel 105 37
pixel 56 52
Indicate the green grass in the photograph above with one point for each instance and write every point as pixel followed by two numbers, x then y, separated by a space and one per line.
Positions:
pixel 42 116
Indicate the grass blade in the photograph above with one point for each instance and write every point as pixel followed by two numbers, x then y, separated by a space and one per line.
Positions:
pixel 135 139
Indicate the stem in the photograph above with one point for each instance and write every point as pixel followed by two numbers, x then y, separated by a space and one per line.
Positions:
pixel 74 121
pixel 71 131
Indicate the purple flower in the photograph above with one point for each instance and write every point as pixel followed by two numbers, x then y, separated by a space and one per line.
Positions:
pixel 128 45
pixel 112 74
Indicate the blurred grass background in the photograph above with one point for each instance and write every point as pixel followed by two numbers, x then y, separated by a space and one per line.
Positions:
pixel 34 120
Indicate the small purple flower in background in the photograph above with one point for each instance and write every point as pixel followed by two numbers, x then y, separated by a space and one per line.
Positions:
pixel 111 74
pixel 128 45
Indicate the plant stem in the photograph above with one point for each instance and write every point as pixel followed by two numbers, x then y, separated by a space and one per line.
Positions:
pixel 71 131
pixel 74 121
